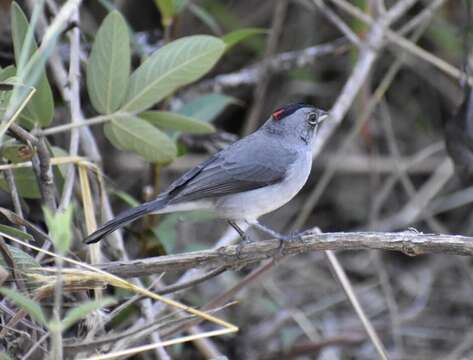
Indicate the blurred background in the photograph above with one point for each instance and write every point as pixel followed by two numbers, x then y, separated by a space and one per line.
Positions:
pixel 382 166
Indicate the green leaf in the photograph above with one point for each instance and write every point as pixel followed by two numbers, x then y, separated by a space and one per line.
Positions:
pixel 35 66
pixel 180 5
pixel 126 198
pixel 207 107
pixel 40 108
pixel 82 310
pixel 206 17
pixel 60 152
pixel 59 226
pixel 18 234
pixel 235 37
pixel 174 121
pixel 137 135
pixel 167 11
pixel 108 68
pixel 23 261
pixel 6 75
pixel 25 181
pixel 31 307
pixel 7 72
pixel 174 65
pixel 5 356
pixel 16 152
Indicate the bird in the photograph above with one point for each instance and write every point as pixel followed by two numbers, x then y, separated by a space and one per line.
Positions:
pixel 251 177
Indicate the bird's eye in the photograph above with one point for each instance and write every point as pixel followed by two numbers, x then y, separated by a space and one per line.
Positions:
pixel 312 119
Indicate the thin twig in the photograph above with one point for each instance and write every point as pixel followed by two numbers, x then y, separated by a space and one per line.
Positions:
pixel 10 178
pixel 41 165
pixel 418 203
pixel 59 75
pixel 279 15
pixel 346 285
pixel 338 22
pixel 229 294
pixel 407 45
pixel 278 63
pixel 325 179
pixel 74 108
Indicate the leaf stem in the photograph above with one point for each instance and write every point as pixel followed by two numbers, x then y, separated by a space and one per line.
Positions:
pixel 87 122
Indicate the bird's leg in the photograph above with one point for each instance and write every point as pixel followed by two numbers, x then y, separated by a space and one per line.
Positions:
pixel 244 239
pixel 238 229
pixel 274 233
pixel 281 237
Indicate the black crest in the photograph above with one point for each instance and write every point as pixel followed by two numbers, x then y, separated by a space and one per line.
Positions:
pixel 287 110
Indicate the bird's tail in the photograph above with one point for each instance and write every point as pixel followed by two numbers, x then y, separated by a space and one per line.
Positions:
pixel 126 217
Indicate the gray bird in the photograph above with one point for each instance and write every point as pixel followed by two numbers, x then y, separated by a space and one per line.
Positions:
pixel 250 178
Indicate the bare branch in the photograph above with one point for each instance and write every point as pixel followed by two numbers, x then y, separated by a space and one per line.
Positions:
pixel 41 165
pixel 277 64
pixel 409 242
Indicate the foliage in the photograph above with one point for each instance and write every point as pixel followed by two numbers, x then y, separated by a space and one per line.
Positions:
pixel 60 228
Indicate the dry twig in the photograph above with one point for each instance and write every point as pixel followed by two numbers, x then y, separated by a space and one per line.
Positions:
pixel 409 243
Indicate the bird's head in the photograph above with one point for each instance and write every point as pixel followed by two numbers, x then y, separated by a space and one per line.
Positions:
pixel 297 122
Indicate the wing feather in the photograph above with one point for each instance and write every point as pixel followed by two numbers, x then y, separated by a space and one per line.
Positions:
pixel 241 167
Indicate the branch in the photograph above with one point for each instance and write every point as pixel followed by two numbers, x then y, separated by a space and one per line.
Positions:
pixel 409 243
pixel 41 164
pixel 368 55
pixel 277 64
pixel 406 45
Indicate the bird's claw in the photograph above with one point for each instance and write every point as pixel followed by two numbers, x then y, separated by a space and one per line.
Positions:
pixel 293 236
pixel 244 240
pixel 283 239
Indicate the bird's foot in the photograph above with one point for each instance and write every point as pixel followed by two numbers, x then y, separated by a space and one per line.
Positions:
pixel 294 236
pixel 284 239
pixel 244 240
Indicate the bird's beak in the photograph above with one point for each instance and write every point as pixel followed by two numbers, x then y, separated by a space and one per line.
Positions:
pixel 323 117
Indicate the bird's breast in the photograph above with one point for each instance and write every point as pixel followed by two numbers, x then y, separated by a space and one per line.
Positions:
pixel 250 205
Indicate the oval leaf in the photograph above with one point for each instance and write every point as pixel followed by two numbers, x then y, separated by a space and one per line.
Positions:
pixel 40 108
pixel 16 233
pixel 174 121
pixel 17 152
pixel 23 261
pixel 134 134
pixel 108 69
pixel 207 107
pixel 25 181
pixel 31 307
pixel 7 73
pixel 174 65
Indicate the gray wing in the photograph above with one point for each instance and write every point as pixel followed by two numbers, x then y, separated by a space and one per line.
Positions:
pixel 243 166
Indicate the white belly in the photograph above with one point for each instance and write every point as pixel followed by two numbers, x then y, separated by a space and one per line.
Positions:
pixel 250 205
